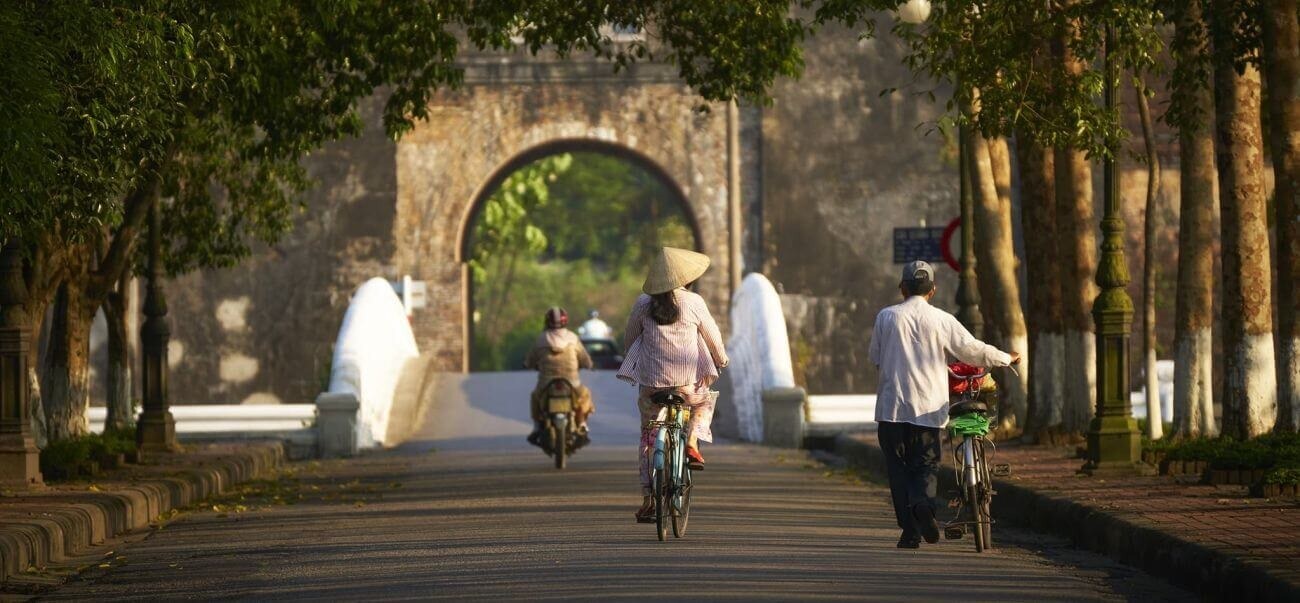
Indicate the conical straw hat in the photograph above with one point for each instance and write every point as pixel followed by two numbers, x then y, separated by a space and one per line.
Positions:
pixel 674 268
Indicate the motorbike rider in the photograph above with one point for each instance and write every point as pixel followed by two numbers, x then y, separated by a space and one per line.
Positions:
pixel 673 344
pixel 594 328
pixel 558 354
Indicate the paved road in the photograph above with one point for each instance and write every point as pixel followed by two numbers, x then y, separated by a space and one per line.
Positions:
pixel 469 511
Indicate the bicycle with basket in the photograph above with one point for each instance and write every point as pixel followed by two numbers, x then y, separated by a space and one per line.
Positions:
pixel 972 402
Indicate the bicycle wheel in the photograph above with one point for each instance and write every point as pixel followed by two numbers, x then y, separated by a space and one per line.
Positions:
pixel 985 492
pixel 660 478
pixel 977 516
pixel 682 510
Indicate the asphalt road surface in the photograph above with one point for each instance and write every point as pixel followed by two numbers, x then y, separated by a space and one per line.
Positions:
pixel 470 511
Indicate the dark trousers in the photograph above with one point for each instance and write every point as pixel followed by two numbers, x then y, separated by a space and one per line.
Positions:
pixel 912 460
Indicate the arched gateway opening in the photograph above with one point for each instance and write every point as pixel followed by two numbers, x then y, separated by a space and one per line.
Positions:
pixel 475 137
pixel 570 223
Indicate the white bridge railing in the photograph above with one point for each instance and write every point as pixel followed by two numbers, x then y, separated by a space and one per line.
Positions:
pixel 763 396
pixel 374 347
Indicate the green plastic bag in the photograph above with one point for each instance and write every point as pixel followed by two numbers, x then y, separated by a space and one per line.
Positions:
pixel 973 424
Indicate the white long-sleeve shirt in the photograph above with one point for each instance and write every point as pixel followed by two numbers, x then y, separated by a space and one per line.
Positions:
pixel 911 345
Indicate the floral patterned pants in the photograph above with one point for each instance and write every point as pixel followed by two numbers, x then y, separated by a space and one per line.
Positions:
pixel 702 402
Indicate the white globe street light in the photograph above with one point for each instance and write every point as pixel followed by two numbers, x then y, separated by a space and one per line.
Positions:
pixel 914 12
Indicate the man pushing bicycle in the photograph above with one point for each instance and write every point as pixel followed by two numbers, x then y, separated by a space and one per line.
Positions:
pixel 911 345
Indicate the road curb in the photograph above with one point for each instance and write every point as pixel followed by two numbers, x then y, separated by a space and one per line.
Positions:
pixel 1195 566
pixel 52 526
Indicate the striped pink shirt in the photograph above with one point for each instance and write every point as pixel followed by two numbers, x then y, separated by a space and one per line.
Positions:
pixel 688 352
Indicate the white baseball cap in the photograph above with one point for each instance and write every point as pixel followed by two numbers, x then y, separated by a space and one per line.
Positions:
pixel 918 270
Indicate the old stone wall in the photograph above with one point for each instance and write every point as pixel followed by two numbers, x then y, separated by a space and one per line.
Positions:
pixel 842 166
pixel 263 332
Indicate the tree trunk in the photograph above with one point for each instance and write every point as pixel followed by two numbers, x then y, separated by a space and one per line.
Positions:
pixel 996 258
pixel 1043 286
pixel 1076 241
pixel 67 365
pixel 1077 251
pixel 121 410
pixel 1155 419
pixel 1194 316
pixel 1282 72
pixel 1250 388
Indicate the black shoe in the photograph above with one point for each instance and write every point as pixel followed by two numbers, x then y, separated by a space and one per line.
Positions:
pixel 535 438
pixel 909 542
pixel 926 523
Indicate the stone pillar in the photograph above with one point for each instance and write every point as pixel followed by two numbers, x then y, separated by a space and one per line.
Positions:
pixel 19 457
pixel 783 417
pixel 1114 445
pixel 968 297
pixel 156 430
pixel 336 425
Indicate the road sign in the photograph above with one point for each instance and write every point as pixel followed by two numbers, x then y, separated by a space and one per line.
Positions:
pixel 918 243
pixel 946 244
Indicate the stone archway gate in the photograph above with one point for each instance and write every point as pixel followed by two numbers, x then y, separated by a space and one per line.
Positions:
pixel 510 109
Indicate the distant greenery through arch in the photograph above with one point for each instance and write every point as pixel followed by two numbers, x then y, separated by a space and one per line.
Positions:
pixel 571 229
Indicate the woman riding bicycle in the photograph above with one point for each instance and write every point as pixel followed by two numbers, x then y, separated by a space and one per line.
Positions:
pixel 672 343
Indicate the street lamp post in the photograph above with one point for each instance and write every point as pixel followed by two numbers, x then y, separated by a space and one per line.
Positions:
pixel 916 12
pixel 156 430
pixel 1114 445
pixel 19 457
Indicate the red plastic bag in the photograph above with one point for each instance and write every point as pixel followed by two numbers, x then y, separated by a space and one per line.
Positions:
pixel 958 386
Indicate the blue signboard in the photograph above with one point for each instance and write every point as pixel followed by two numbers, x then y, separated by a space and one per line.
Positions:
pixel 923 243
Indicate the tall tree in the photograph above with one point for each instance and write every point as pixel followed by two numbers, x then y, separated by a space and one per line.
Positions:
pixel 119 400
pixel 1077 244
pixel 1250 373
pixel 998 266
pixel 1155 420
pixel 1042 284
pixel 1191 111
pixel 1281 50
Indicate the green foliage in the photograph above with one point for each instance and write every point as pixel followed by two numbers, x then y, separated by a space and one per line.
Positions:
pixel 1283 475
pixel 88 89
pixel 1263 452
pixel 506 231
pixel 1005 51
pixel 596 218
pixel 73 457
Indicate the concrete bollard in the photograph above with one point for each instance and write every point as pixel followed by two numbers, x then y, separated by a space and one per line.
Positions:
pixel 783 416
pixel 336 424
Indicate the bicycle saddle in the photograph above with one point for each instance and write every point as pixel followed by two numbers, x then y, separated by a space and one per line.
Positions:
pixel 668 398
pixel 966 407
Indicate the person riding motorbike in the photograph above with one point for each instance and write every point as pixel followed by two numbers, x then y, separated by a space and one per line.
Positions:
pixel 558 354
pixel 673 344
pixel 595 328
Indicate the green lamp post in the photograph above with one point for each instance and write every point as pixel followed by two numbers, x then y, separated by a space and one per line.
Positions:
pixel 156 429
pixel 1114 444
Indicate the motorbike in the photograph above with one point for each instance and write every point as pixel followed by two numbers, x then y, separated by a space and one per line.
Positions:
pixel 560 436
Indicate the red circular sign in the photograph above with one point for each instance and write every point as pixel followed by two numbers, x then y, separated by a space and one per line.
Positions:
pixel 945 244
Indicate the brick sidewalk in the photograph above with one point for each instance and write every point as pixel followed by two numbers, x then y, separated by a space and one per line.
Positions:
pixel 1215 539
